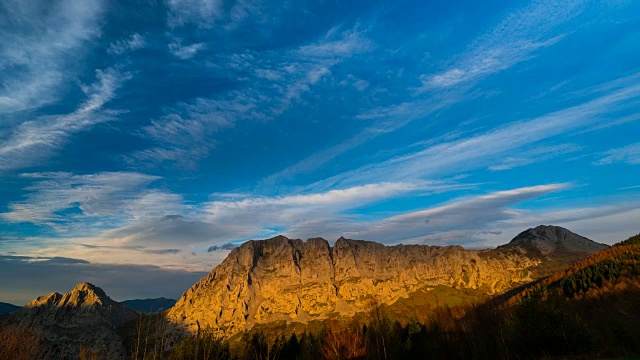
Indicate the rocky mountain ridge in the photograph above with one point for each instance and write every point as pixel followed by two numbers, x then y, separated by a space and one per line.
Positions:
pixel 292 280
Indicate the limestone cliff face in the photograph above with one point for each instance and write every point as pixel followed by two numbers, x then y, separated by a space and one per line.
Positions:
pixel 84 317
pixel 292 280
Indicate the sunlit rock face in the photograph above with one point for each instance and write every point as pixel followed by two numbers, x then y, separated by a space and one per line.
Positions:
pixel 292 280
pixel 85 317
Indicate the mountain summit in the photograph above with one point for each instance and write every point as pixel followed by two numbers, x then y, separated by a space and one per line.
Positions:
pixel 83 317
pixel 547 239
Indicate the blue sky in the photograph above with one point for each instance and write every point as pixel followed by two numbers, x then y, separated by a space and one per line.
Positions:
pixel 135 138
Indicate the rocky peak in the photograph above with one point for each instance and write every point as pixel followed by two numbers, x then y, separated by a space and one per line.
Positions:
pixel 83 317
pixel 85 294
pixel 548 239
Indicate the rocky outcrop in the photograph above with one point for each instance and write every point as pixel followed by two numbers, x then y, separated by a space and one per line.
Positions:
pixel 85 318
pixel 545 240
pixel 292 280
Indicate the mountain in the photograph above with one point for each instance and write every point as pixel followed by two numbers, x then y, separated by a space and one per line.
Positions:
pixel 85 318
pixel 8 308
pixel 289 280
pixel 614 269
pixel 544 240
pixel 590 309
pixel 149 305
pixel 280 279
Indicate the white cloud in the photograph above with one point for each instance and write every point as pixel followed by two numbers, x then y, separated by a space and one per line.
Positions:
pixel 226 16
pixel 337 43
pixel 335 199
pixel 134 42
pixel 515 39
pixel 472 214
pixel 488 62
pixel 200 11
pixel 43 38
pixel 485 149
pixel 167 231
pixel 309 215
pixel 113 217
pixel 534 155
pixel 95 195
pixel 629 154
pixel 186 52
pixel 34 140
pixel 279 81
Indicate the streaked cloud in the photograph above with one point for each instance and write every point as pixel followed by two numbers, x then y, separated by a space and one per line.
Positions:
pixel 185 52
pixel 134 42
pixel 64 200
pixel 494 146
pixel 35 140
pixel 629 154
pixel 203 12
pixel 42 40
pixel 185 134
pixel 309 215
pixel 534 155
pixel 474 214
pixel 515 39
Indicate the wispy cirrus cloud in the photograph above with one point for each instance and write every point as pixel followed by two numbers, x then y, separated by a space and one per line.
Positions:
pixel 535 155
pixel 629 154
pixel 513 40
pixel 185 52
pixel 202 12
pixel 311 214
pixel 218 14
pixel 490 148
pixel 35 140
pixel 278 81
pixel 134 42
pixel 467 216
pixel 111 194
pixel 38 43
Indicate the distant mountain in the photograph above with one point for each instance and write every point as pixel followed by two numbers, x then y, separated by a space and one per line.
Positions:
pixel 544 240
pixel 85 318
pixel 596 302
pixel 8 308
pixel 149 305
pixel 615 269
